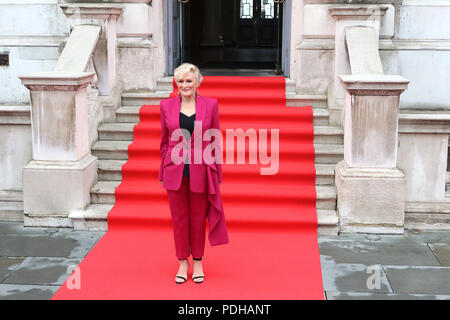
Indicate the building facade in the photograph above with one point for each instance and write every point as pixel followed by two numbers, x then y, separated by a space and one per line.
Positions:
pixel 71 70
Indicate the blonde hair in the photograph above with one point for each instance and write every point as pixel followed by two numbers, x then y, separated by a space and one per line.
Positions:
pixel 186 68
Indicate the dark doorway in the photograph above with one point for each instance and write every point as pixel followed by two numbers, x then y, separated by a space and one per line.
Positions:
pixel 232 34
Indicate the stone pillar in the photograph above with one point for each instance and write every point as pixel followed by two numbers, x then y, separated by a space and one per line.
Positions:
pixel 370 189
pixel 348 16
pixel 58 179
pixel 104 57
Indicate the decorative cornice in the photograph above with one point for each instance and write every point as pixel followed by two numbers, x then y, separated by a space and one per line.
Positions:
pixel 92 10
pixel 384 44
pixel 18 114
pixel 411 121
pixel 133 42
pixel 57 81
pixel 358 11
pixel 31 41
pixel 371 84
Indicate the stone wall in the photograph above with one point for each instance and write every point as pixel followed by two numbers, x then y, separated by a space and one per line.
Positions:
pixel 414 42
pixel 31 32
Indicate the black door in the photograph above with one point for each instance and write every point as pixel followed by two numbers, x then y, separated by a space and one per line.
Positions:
pixel 258 23
pixel 231 34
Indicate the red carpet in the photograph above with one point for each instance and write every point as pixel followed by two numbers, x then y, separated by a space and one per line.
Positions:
pixel 272 221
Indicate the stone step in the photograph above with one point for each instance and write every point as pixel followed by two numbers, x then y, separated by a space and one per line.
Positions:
pixel 11 211
pixel 111 170
pixel 118 150
pixel 94 218
pixel 103 193
pixel 303 100
pixel 328 153
pixel 327 222
pixel 428 207
pixel 124 131
pixel 427 221
pixel 166 84
pixel 111 150
pixel 130 114
pixel 328 135
pixel 154 98
pixel 11 195
pixel 321 117
pixel 325 174
pixel 290 86
pixel 139 99
pixel 116 131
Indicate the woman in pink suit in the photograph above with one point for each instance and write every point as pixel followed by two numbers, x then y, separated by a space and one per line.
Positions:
pixel 192 185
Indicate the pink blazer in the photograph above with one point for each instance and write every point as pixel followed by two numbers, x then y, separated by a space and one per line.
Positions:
pixel 203 177
pixel 171 173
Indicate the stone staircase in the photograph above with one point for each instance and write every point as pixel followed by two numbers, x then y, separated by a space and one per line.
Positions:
pixel 112 152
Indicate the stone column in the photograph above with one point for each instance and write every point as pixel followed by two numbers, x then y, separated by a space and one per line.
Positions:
pixel 371 190
pixel 58 179
pixel 348 16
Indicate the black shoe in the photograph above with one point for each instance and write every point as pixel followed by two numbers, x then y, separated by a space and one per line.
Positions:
pixel 193 279
pixel 181 277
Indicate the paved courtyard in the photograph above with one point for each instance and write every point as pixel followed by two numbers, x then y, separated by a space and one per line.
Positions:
pixel 35 262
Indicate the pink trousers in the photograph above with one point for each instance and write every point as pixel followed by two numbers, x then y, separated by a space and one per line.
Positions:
pixel 188 210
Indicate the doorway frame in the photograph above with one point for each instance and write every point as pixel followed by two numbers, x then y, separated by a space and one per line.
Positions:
pixel 286 39
pixel 169 29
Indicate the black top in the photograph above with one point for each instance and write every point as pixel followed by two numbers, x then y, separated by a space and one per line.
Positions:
pixel 188 124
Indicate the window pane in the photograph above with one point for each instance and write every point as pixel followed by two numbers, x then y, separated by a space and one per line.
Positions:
pixel 246 9
pixel 267 9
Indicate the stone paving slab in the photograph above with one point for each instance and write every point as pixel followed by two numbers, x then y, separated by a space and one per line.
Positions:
pixel 8 265
pixel 345 277
pixel 417 236
pixel 373 249
pixel 17 228
pixel 34 262
pixel 42 271
pixel 382 296
pixel 427 236
pixel 442 253
pixel 69 245
pixel 419 280
pixel 26 292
